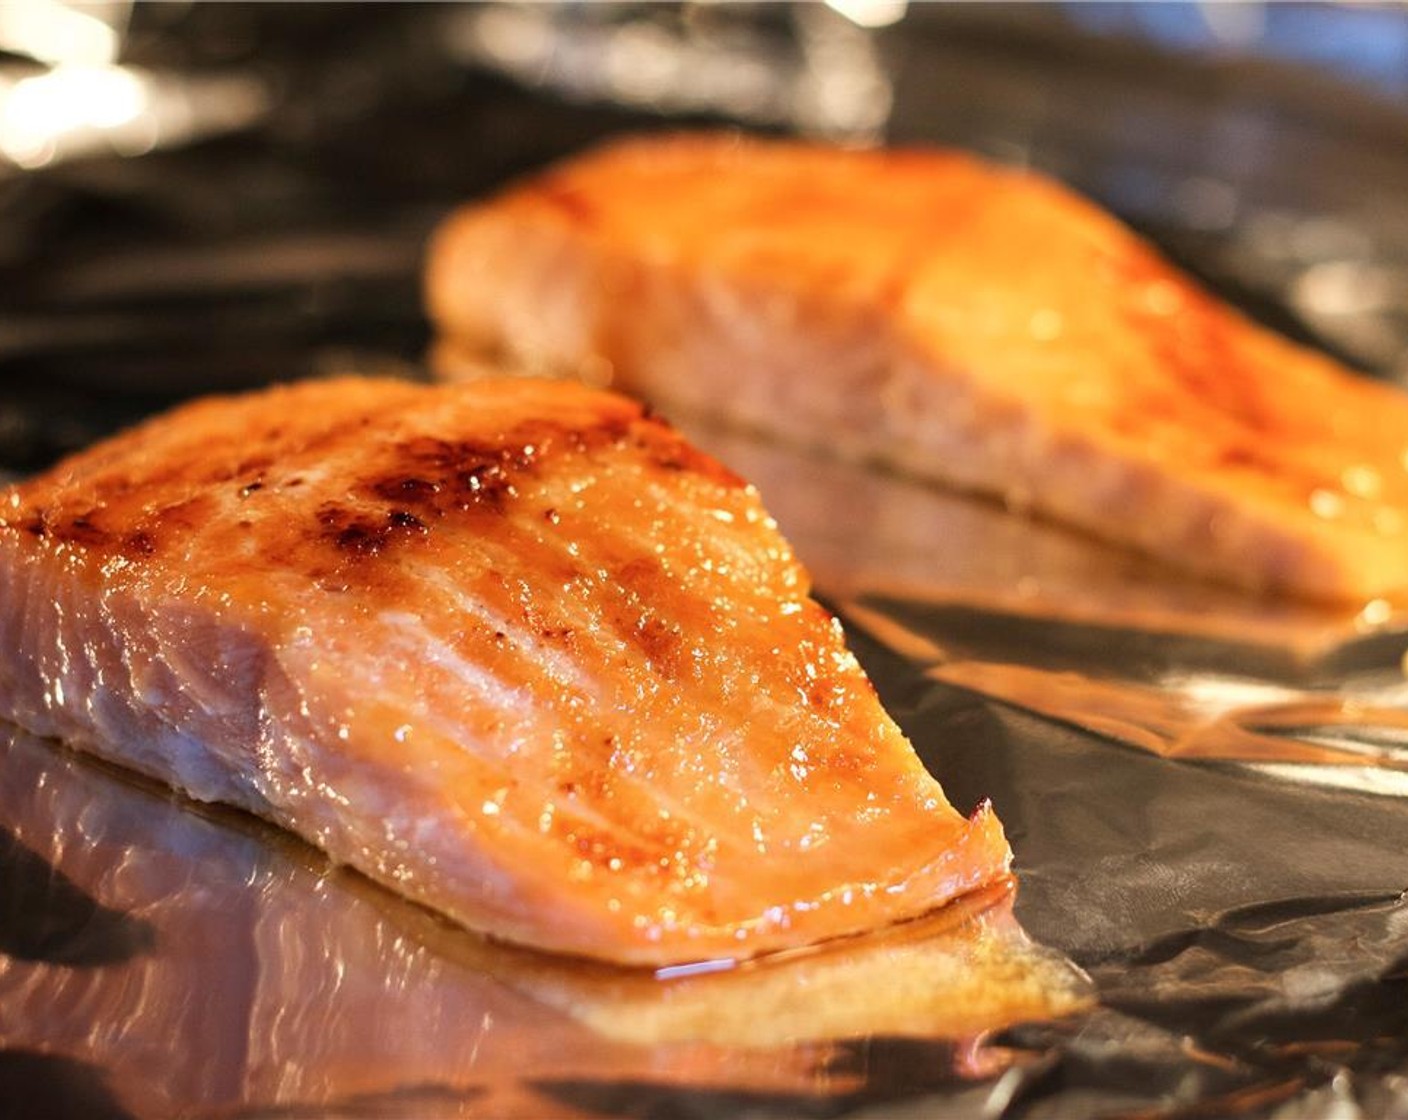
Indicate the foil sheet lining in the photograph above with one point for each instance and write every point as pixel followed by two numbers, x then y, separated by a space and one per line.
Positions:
pixel 1204 791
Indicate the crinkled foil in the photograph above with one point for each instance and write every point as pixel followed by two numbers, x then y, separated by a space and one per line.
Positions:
pixel 1204 790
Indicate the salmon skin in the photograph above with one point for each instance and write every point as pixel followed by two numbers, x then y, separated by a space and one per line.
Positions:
pixel 515 649
pixel 973 325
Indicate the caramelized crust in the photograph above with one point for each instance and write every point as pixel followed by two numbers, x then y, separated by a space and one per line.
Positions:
pixel 978 326
pixel 165 490
pixel 515 649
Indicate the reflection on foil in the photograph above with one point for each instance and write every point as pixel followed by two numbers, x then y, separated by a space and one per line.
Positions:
pixel 81 110
pixel 1337 741
pixel 81 102
pixel 55 32
pixel 296 987
pixel 1364 43
pixel 1361 301
pixel 812 67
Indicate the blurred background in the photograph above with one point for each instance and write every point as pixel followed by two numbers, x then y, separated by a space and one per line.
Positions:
pixel 207 196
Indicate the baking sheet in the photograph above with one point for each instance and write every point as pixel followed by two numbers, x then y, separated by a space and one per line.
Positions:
pixel 1203 790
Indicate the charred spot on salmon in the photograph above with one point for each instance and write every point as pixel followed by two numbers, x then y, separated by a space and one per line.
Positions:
pixel 604 433
pixel 609 852
pixel 185 515
pixel 361 539
pixel 1200 356
pixel 81 529
pixel 359 534
pixel 827 696
pixel 463 475
pixel 1273 470
pixel 572 202
pixel 639 582
pixel 642 577
pixel 488 483
pixel 455 475
pixel 140 543
pixel 255 465
pixel 408 489
pixel 672 452
pixel 661 643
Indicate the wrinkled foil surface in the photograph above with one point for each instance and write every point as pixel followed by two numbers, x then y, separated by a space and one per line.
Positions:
pixel 1204 791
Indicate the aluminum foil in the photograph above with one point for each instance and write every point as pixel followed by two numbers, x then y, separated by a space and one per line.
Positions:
pixel 1203 790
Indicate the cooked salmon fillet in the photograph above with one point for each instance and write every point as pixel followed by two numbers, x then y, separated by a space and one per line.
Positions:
pixel 975 325
pixel 514 649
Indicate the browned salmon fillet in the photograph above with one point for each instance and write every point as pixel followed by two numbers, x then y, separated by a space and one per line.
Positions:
pixel 974 325
pixel 514 649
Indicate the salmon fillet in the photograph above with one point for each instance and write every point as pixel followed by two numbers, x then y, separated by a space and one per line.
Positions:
pixel 982 327
pixel 515 649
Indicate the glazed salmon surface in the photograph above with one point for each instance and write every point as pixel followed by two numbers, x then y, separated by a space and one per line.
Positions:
pixel 978 326
pixel 515 649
